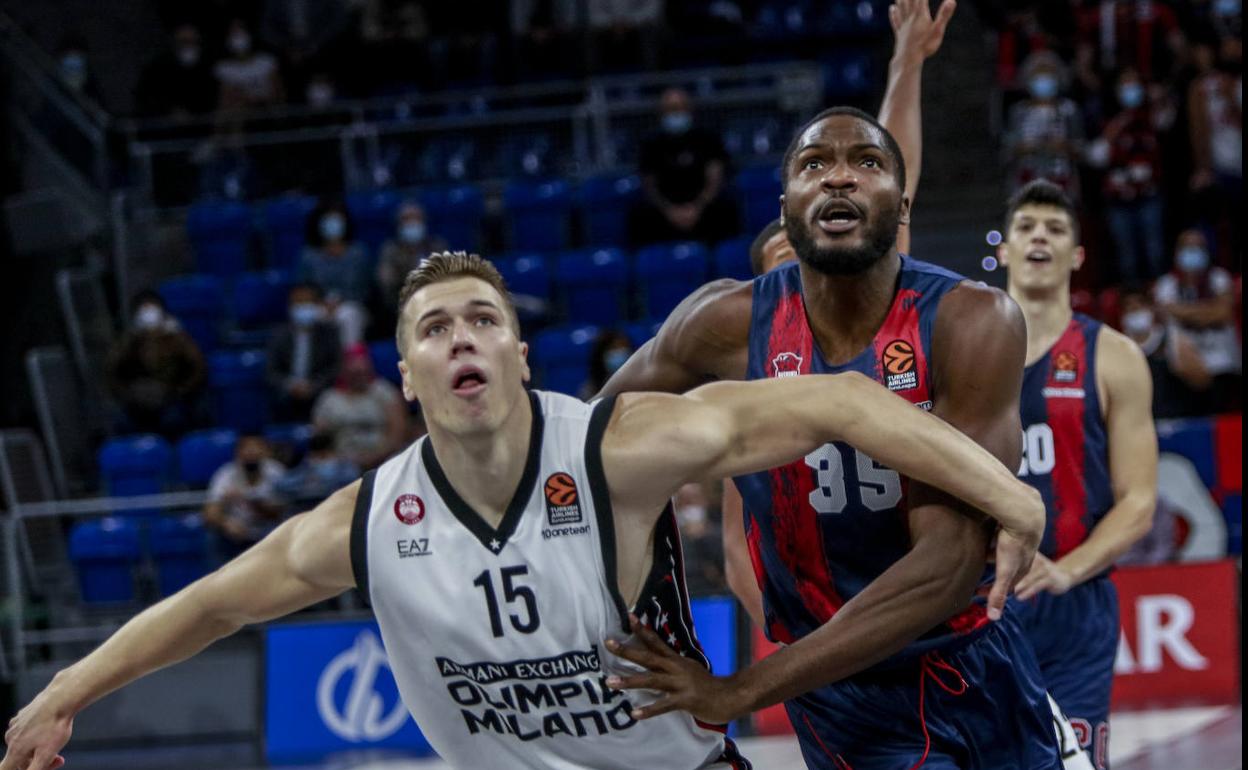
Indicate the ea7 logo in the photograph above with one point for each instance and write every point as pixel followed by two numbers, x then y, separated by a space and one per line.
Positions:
pixel 416 547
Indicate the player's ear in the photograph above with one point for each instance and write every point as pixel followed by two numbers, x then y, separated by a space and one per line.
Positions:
pixel 525 373
pixel 1002 259
pixel 782 209
pixel 1076 260
pixel 409 392
pixel 904 217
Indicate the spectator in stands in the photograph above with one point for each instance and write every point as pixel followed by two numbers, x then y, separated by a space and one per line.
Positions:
pixel 411 243
pixel 701 540
pixel 243 504
pixel 73 64
pixel 321 90
pixel 1200 298
pixel 625 34
pixel 364 413
pixel 179 81
pixel 1216 127
pixel 334 261
pixel 248 78
pixel 304 355
pixel 396 46
pixel 1045 133
pixel 683 170
pixel 319 475
pixel 1130 151
pixel 610 351
pixel 156 373
pixel 771 248
pixel 1179 375
pixel 1113 35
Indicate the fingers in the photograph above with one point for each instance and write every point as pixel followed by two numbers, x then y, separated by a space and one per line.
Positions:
pixel 636 653
pixel 894 17
pixel 649 638
pixel 641 682
pixel 944 14
pixel 660 706
pixel 1031 584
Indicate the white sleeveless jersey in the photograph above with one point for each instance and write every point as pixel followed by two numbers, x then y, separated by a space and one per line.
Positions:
pixel 495 636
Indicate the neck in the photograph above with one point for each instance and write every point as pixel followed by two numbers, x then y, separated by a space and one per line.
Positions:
pixel 1047 313
pixel 846 311
pixel 485 468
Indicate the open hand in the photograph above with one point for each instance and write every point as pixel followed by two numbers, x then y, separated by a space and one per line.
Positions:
pixel 914 27
pixel 689 686
pixel 1045 575
pixel 36 736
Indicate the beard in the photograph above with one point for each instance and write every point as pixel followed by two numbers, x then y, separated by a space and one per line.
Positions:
pixel 879 237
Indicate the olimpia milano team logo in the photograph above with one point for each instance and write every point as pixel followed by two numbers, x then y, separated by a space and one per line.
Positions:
pixel 362 717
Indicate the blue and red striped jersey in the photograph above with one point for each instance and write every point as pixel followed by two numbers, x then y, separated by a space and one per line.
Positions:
pixel 822 528
pixel 1065 451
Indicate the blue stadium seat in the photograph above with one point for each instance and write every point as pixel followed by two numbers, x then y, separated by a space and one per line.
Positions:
pixel 179 546
pixel 201 453
pixel 284 221
pixel 732 258
pixel 667 273
pixel 198 302
pixel 760 190
pixel 538 214
pixel 373 212
pixel 641 332
pixel 605 202
pixel 455 214
pixel 135 465
pixel 560 357
pixel 260 299
pixel 105 553
pixel 289 439
pixel 529 282
pixel 385 355
pixel 239 393
pixel 593 286
pixel 220 234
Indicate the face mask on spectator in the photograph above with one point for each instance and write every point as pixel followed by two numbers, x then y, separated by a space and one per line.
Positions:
pixel 1043 86
pixel 74 70
pixel 306 313
pixel 1192 259
pixel 1131 95
pixel 412 232
pixel 188 55
pixel 148 317
pixel 1137 322
pixel 239 43
pixel 615 359
pixel 677 122
pixel 333 226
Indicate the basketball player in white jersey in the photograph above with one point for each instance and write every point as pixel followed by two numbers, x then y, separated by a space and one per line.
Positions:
pixel 500 551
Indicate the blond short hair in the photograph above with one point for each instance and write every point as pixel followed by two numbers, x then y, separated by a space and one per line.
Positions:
pixel 444 266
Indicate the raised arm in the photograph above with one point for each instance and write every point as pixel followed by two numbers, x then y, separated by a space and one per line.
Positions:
pixel 1128 389
pixel 304 561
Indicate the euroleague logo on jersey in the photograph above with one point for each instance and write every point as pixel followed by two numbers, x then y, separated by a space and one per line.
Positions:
pixel 1065 367
pixel 563 504
pixel 898 363
pixel 786 365
pixel 409 509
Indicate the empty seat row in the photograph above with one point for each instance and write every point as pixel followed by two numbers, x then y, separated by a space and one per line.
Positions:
pixel 107 553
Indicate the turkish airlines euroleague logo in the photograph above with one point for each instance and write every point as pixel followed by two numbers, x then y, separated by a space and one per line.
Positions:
pixel 409 509
pixel 898 363
pixel 1065 367
pixel 563 504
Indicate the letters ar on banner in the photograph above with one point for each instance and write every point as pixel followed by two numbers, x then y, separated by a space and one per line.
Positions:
pixel 1180 635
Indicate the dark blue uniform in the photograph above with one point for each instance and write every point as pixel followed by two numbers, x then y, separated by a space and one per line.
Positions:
pixel 1066 457
pixel 966 694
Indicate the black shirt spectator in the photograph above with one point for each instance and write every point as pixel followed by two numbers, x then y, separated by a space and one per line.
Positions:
pixel 683 168
pixel 304 354
pixel 178 82
pixel 1179 375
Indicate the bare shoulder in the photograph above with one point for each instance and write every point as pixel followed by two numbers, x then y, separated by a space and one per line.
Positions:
pixel 974 312
pixel 1120 364
pixel 712 321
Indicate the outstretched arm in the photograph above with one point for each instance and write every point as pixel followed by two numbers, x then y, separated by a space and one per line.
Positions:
pixel 917 35
pixel 1132 469
pixel 304 561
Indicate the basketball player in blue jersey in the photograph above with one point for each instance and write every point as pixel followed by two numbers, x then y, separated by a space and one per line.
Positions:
pixel 1089 447
pixel 499 551
pixel 869 579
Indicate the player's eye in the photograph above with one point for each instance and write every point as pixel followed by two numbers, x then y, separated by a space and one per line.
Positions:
pixel 871 162
pixel 433 329
pixel 486 320
pixel 812 164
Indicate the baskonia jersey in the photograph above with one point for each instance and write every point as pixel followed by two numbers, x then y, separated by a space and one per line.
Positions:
pixel 495 635
pixel 822 528
pixel 1065 451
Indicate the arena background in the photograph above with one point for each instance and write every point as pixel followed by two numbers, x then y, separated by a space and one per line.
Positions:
pixel 518 127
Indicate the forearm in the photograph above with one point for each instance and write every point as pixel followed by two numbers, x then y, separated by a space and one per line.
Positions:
pixel 1128 521
pixel 918 592
pixel 901 112
pixel 738 570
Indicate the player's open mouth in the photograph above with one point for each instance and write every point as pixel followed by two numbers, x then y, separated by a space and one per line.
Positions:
pixel 1039 256
pixel 468 381
pixel 838 215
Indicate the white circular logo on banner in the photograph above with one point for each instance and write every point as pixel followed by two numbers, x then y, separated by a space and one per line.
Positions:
pixel 360 718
